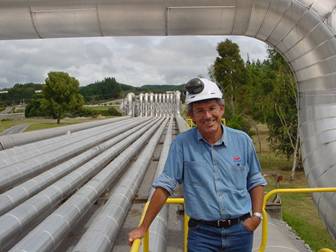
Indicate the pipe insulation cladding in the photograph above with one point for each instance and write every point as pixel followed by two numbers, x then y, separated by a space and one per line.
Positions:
pixel 49 233
pixel 24 216
pixel 18 194
pixel 102 232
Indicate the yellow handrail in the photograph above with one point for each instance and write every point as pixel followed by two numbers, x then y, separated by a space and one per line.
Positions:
pixel 325 250
pixel 190 122
pixel 294 190
pixel 136 244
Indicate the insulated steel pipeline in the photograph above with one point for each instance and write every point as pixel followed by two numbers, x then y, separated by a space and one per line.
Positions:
pixel 18 172
pixel 18 194
pixel 48 234
pixel 29 150
pixel 26 215
pixel 9 141
pixel 158 229
pixel 104 229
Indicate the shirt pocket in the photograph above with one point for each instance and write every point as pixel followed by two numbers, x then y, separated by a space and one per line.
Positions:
pixel 238 177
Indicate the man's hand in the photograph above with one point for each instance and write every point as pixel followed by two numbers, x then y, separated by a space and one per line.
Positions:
pixel 158 199
pixel 136 233
pixel 252 223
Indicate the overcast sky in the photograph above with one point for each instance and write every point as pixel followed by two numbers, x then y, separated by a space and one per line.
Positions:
pixel 131 60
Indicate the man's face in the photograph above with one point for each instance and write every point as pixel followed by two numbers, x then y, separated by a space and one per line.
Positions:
pixel 207 116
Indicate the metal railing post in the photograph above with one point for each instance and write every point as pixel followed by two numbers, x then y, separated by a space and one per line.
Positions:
pixel 136 244
pixel 146 242
pixel 186 230
pixel 185 221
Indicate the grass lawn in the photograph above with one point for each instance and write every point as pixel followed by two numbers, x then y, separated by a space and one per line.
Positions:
pixel 5 124
pixel 101 107
pixel 97 107
pixel 298 210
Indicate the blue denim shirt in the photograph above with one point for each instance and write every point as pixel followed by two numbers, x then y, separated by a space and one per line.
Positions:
pixel 216 178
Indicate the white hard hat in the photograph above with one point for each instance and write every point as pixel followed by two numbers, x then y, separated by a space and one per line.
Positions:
pixel 199 89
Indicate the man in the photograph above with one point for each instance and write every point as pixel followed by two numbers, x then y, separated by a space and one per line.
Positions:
pixel 220 173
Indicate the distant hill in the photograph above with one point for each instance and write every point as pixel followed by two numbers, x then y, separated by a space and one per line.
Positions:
pixel 108 88
pixel 19 93
pixel 161 88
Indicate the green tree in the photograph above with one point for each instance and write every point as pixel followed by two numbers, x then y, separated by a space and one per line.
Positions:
pixel 282 119
pixel 229 72
pixel 20 93
pixel 61 95
pixel 102 90
pixel 273 100
pixel 259 87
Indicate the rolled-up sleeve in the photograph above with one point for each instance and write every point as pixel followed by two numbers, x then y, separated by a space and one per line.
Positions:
pixel 173 169
pixel 255 177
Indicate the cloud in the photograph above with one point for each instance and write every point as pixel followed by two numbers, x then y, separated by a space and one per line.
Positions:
pixel 131 60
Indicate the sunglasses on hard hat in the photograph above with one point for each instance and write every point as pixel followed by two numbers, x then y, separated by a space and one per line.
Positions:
pixel 194 86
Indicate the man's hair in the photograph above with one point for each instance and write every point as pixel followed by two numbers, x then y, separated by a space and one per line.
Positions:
pixel 190 107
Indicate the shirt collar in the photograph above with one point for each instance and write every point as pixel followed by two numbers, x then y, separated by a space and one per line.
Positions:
pixel 223 140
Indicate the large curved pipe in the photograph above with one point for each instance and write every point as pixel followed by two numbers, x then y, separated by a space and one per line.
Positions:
pixel 50 19
pixel 146 104
pixel 171 104
pixel 141 96
pixel 151 104
pixel 159 104
pixel 156 105
pixel 130 104
pixel 177 103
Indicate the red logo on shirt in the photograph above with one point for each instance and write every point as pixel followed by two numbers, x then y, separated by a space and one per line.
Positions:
pixel 236 158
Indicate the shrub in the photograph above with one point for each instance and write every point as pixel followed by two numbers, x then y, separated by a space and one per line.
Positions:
pixel 85 112
pixel 113 111
pixel 239 122
pixel 34 107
